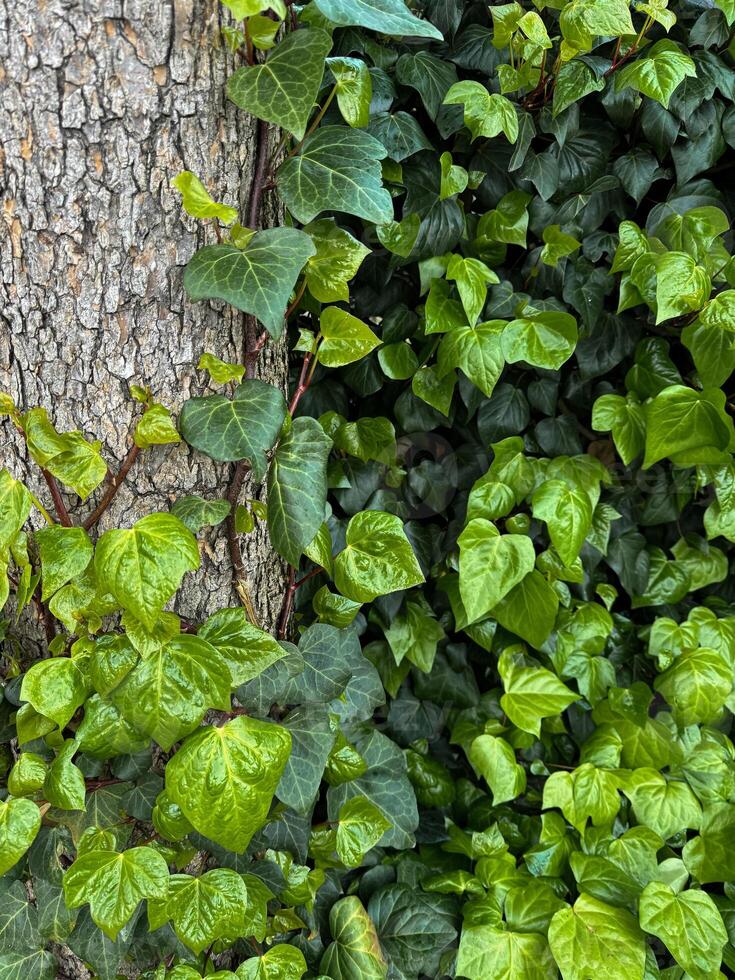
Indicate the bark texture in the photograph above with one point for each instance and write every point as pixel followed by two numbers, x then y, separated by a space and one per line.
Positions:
pixel 102 103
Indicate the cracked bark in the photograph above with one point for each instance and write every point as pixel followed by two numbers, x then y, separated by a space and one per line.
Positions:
pixel 103 103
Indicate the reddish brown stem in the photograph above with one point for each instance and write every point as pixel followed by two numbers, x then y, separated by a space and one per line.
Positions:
pixel 303 383
pixel 287 603
pixel 59 506
pixel 114 485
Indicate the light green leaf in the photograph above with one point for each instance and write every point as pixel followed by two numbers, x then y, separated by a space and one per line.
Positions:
pixel 336 260
pixel 531 693
pixel 490 565
pixel 64 786
pixel 658 72
pixel 244 427
pixel 696 686
pixel 711 340
pixel 361 826
pixel 297 488
pixel 355 951
pixel 197 201
pixel 472 278
pixel 20 821
pixel 574 81
pixel 453 177
pixel 65 553
pixel 664 805
pixel 168 693
pixel 15 506
pixel 529 609
pixel 283 90
pixel 202 909
pixel 687 426
pixel 484 114
pixel 279 963
pixel 221 372
pixel 495 760
pixel 257 279
pixel 346 339
pixel 557 245
pixel 567 512
pixel 155 428
pixel 113 884
pixel 399 237
pixel 354 89
pixel 487 952
pixel 688 923
pixel 55 688
pixel 593 939
pixel 625 418
pixel 66 455
pixel 143 567
pixel 588 793
pixel 377 558
pixel 544 339
pixel 337 168
pixel 223 779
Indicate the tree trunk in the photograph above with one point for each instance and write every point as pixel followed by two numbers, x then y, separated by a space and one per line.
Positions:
pixel 102 103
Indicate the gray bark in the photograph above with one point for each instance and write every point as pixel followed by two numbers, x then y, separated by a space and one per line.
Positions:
pixel 102 103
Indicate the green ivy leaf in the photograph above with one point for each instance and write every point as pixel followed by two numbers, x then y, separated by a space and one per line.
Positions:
pixel 336 168
pixel 246 649
pixel 354 90
pixel 531 693
pixel 386 16
pixel 336 259
pixel 490 565
pixel 143 567
pixel 346 339
pixel 595 939
pixel 64 786
pixel 167 694
pixel 688 426
pixel 65 553
pixel 197 201
pixel 66 455
pixel 155 428
pixel 487 951
pixel 377 558
pixel 495 760
pixel 202 909
pixel 257 279
pixel 195 512
pixel 297 488
pixel 658 72
pixel 113 884
pixel 484 114
pixel 567 512
pixel 688 923
pixel 279 963
pixel 355 950
pixel 283 90
pixel 55 688
pixel 544 340
pixel 244 427
pixel 223 779
pixel 20 821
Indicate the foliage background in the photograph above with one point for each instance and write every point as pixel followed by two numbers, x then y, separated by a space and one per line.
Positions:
pixel 498 746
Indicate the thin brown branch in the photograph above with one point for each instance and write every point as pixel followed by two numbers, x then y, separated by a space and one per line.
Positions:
pixel 59 506
pixel 287 604
pixel 114 485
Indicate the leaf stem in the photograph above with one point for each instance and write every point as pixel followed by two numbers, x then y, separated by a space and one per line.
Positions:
pixel 317 119
pixel 39 506
pixel 59 506
pixel 114 485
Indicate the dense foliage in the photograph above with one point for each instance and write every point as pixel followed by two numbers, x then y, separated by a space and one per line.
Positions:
pixel 496 744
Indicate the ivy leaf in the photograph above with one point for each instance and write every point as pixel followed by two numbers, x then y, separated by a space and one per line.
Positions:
pixel 66 455
pixel 696 686
pixel 283 90
pixel 55 688
pixel 336 260
pixel 484 114
pixel 245 427
pixel 495 760
pixel 711 340
pixel 568 515
pixel 143 567
pixel 24 965
pixel 544 339
pixel 490 565
pixel 657 73
pixel 197 201
pixel 688 426
pixel 257 279
pixel 688 923
pixel 113 884
pixel 594 939
pixel 18 918
pixel 246 649
pixel 472 277
pixel 337 168
pixel 167 694
pixel 531 693
pixel 377 558
pixel 361 826
pixel 297 488
pixel 587 793
pixel 529 609
pixel 557 245
pixel 575 80
pixel 223 779
pixel 386 16
pixel 487 951
pixel 65 553
pixel 202 909
pixel 400 135
pixel 15 506
pixel 20 821
pixel 155 428
pixel 346 339
pixel 311 742
pixel 666 806
pixel 195 512
pixel 278 963
pixel 355 951
pixel 429 75
pixel 64 786
pixel 584 20
pixel 625 418
pixel 354 90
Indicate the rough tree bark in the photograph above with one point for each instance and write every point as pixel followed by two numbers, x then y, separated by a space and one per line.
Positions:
pixel 102 103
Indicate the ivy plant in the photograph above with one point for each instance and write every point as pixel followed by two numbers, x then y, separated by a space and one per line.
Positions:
pixel 490 735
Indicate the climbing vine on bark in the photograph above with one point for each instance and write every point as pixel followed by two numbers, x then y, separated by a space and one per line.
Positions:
pixel 489 736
